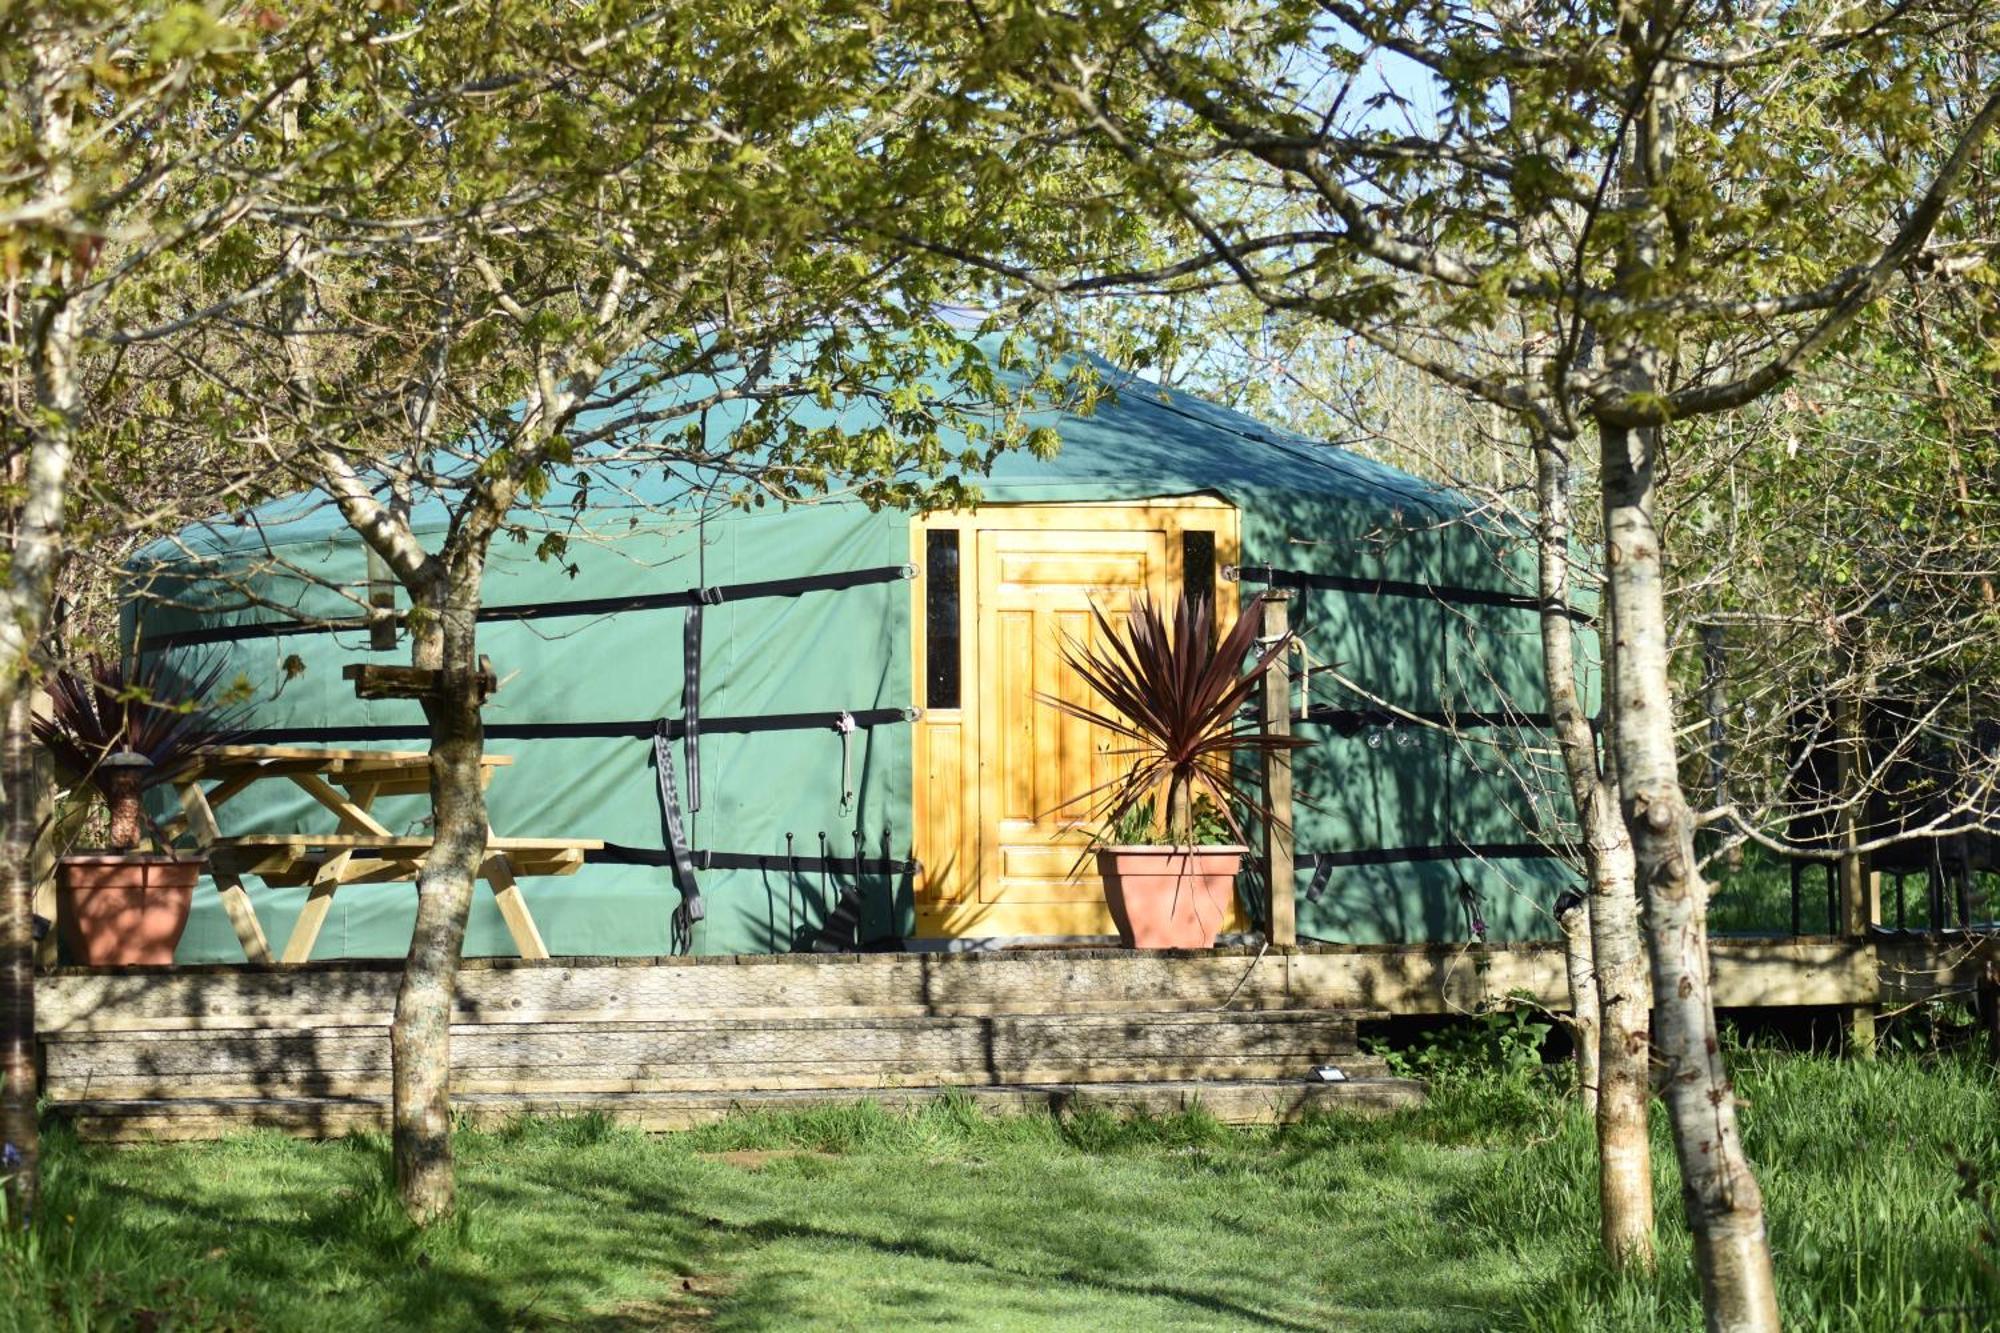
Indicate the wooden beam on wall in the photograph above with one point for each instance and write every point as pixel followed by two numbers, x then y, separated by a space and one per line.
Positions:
pixel 1275 716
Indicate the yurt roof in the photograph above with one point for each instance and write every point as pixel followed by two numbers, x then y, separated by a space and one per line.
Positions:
pixel 1141 441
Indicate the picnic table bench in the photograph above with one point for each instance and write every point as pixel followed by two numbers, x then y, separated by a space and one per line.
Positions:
pixel 363 850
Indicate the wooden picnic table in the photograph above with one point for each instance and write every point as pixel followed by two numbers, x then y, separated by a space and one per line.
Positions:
pixel 363 850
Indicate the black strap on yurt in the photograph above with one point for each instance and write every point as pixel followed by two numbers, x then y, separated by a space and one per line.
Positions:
pixel 1351 722
pixel 1323 863
pixel 1445 851
pixel 618 854
pixel 691 909
pixel 841 931
pixel 834 581
pixel 1379 587
pixel 609 730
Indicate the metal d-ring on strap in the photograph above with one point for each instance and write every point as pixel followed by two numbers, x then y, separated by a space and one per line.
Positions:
pixel 1322 872
pixel 691 908
pixel 846 726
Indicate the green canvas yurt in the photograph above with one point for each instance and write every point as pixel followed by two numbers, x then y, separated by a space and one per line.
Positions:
pixel 846 698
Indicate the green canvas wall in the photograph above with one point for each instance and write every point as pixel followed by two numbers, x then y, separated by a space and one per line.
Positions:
pixel 820 651
pixel 1390 791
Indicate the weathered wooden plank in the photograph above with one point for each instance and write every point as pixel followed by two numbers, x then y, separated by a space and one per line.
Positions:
pixel 1241 1102
pixel 117 1023
pixel 1418 979
pixel 1437 979
pixel 594 1081
pixel 919 982
pixel 715 1053
pixel 380 680
pixel 1425 979
pixel 1010 1037
pixel 1758 974
pixel 1915 967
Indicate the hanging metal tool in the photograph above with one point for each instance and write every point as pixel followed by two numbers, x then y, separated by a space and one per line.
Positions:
pixel 691 908
pixel 846 726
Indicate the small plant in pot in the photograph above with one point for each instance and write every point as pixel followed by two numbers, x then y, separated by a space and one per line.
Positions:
pixel 1174 692
pixel 120 730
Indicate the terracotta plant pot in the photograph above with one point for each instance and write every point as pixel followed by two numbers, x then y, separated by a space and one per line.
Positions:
pixel 118 908
pixel 1169 897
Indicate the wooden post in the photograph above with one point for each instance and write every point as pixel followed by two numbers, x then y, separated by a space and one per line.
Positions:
pixel 236 904
pixel 42 860
pixel 374 680
pixel 1276 717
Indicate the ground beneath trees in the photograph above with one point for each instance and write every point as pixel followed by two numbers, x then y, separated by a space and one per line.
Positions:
pixel 1474 1213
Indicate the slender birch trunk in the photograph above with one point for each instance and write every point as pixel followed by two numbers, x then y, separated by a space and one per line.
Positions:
pixel 1572 909
pixel 1725 1208
pixel 48 326
pixel 19 1134
pixel 1573 919
pixel 1622 998
pixel 1724 1205
pixel 420 1037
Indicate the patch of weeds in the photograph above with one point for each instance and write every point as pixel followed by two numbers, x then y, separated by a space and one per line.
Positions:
pixel 586 1129
pixel 1502 1044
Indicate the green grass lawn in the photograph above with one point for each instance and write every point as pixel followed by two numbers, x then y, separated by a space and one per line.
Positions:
pixel 1473 1213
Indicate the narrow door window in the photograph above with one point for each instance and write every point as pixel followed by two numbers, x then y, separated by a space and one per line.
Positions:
pixel 941 647
pixel 1198 565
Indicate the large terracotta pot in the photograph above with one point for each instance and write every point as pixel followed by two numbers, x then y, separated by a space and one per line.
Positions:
pixel 118 908
pixel 1169 897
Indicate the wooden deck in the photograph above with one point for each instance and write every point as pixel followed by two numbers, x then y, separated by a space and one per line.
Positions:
pixel 665 1042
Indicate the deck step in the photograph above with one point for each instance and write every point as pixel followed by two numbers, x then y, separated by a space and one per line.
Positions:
pixel 775 986
pixel 723 1055
pixel 1232 1101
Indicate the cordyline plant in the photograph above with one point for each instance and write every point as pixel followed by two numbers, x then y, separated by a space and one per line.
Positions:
pixel 1177 695
pixel 151 707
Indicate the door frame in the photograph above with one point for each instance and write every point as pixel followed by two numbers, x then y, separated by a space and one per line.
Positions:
pixel 944 790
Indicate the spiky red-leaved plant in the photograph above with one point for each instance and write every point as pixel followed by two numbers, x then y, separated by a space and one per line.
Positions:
pixel 1173 691
pixel 152 706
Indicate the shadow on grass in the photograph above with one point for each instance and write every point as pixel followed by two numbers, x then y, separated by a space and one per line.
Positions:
pixel 749 1305
pixel 937 1218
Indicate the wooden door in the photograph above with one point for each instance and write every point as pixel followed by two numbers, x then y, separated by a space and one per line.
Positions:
pixel 998 839
pixel 1036 589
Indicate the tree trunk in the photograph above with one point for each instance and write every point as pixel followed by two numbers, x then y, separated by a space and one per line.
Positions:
pixel 1573 919
pixel 1986 997
pixel 1622 1000
pixel 52 332
pixel 1724 1205
pixel 19 1139
pixel 1625 1003
pixel 420 1039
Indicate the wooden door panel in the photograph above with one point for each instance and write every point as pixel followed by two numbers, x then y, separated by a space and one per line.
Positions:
pixel 1008 761
pixel 1035 587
